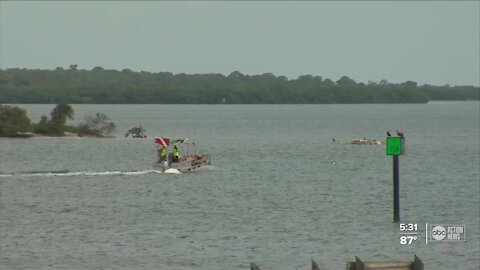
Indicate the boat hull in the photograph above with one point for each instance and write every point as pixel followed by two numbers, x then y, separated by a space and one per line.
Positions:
pixel 185 164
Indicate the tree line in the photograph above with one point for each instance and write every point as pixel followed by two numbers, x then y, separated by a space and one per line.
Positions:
pixel 101 86
pixel 14 122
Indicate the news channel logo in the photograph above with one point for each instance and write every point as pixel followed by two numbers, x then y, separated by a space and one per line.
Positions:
pixel 447 233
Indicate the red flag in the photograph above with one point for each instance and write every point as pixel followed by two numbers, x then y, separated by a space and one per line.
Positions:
pixel 162 141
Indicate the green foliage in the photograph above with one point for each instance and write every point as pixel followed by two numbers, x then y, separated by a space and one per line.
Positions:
pixel 43 126
pixel 97 125
pixel 56 125
pixel 58 118
pixel 101 86
pixel 61 112
pixel 13 120
pixel 344 80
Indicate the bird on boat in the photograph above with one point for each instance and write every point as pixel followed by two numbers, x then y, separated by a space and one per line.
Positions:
pixel 388 134
pixel 399 133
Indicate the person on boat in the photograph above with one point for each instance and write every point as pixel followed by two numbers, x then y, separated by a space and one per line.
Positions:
pixel 162 154
pixel 176 154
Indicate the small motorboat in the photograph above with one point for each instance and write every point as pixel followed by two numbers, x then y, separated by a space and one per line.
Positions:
pixel 179 156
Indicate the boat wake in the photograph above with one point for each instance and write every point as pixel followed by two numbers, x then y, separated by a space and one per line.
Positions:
pixel 80 173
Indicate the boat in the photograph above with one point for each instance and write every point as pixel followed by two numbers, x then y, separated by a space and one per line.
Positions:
pixel 365 141
pixel 189 159
pixel 136 132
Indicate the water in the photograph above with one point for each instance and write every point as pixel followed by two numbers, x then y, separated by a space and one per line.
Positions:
pixel 279 194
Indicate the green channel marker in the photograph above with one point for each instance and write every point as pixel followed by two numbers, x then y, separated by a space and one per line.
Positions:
pixel 394 146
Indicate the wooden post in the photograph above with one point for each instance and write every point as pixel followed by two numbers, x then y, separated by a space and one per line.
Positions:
pixel 254 267
pixel 315 265
pixel 417 263
pixel 396 189
pixel 359 265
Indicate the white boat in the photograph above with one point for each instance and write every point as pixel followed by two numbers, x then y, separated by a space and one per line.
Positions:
pixel 365 141
pixel 189 159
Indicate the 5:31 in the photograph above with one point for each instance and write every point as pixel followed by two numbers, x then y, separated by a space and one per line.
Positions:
pixel 408 227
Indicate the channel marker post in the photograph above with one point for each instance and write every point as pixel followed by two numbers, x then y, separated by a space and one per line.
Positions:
pixel 395 148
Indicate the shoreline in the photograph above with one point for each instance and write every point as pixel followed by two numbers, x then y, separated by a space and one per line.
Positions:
pixel 30 135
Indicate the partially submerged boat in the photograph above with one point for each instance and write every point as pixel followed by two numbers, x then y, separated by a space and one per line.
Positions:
pixel 136 132
pixel 179 156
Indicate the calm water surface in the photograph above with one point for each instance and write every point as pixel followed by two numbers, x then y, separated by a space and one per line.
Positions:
pixel 279 194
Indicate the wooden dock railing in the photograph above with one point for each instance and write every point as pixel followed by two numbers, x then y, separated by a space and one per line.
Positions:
pixel 417 264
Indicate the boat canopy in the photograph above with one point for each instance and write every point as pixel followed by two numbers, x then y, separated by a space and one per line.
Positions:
pixel 167 141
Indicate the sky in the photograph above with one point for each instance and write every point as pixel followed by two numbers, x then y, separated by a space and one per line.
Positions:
pixel 430 42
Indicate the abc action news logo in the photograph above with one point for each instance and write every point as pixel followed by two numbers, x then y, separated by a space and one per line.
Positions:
pixel 447 233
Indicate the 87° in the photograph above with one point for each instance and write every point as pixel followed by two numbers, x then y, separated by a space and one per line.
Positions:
pixel 407 239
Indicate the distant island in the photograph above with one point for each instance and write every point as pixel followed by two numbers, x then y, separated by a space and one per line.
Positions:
pixel 14 123
pixel 101 86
